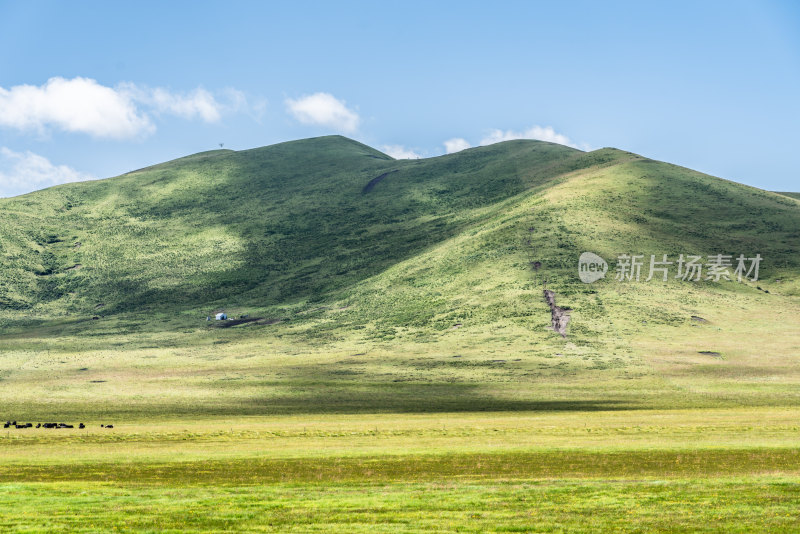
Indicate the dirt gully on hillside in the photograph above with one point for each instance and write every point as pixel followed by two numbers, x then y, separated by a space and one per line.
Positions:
pixel 560 316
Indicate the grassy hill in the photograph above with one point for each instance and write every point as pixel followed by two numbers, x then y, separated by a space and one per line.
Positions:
pixel 393 285
pixel 397 346
pixel 270 226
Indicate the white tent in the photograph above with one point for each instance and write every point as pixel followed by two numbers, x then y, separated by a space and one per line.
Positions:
pixel 221 316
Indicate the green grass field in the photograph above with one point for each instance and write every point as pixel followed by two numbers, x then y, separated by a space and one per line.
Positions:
pixel 399 374
pixel 663 470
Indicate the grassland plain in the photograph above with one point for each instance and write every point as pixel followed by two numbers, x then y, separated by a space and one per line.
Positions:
pixel 400 375
pixel 664 470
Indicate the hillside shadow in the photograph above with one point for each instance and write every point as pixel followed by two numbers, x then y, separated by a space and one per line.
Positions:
pixel 327 398
pixel 417 398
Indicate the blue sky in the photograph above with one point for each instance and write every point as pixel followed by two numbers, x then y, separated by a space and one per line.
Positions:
pixel 95 89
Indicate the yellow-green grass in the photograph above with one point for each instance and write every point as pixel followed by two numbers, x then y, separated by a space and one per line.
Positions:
pixel 724 470
pixel 393 435
pixel 731 470
pixel 717 505
pixel 507 366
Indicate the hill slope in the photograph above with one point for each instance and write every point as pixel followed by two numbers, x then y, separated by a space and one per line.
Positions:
pixel 272 225
pixel 405 285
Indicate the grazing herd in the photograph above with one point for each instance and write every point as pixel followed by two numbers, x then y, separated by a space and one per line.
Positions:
pixel 14 424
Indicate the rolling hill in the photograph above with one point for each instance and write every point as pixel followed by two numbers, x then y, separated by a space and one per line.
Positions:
pixel 270 226
pixel 416 282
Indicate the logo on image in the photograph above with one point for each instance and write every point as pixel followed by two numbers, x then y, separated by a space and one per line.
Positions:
pixel 591 267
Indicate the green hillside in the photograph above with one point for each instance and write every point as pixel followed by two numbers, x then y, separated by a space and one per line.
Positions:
pixel 270 226
pixel 374 284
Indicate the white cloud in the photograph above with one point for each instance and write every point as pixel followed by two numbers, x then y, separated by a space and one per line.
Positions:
pixel 400 152
pixel 538 133
pixel 456 145
pixel 24 172
pixel 235 101
pixel 77 105
pixel 197 103
pixel 81 105
pixel 323 109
